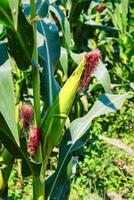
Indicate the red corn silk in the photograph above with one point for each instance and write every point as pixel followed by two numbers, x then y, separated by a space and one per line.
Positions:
pixel 34 141
pixel 92 59
pixel 26 115
pixel 56 19
pixel 100 8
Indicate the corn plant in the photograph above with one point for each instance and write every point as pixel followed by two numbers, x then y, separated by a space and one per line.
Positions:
pixel 34 110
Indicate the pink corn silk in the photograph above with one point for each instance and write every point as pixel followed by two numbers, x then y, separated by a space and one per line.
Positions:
pixel 26 114
pixel 92 59
pixel 34 141
pixel 100 7
pixel 56 19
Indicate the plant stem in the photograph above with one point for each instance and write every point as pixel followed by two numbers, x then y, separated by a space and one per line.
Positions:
pixel 20 178
pixel 38 189
pixel 35 71
pixel 36 92
pixel 38 186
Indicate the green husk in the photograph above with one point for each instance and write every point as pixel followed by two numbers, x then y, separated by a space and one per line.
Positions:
pixel 55 118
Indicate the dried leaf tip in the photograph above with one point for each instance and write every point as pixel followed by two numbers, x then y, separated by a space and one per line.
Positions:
pixel 92 59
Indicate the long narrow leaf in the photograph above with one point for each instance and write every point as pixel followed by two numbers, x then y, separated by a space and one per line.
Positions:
pixel 79 127
pixel 7 104
pixel 49 52
pixel 42 7
pixel 11 145
pixel 64 23
pixel 20 43
pixel 117 143
pixel 102 75
pixel 14 6
pixel 5 14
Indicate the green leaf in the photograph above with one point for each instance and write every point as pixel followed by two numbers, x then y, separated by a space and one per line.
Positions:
pixel 59 14
pixel 77 57
pixel 8 128
pixel 3 33
pixel 14 6
pixel 7 104
pixel 11 145
pixel 49 53
pixel 101 27
pixel 79 129
pixel 117 143
pixel 103 77
pixel 119 17
pixel 48 41
pixel 42 8
pixel 3 53
pixel 5 14
pixel 21 42
pixel 105 104
pixel 7 138
pixel 62 186
pixel 67 32
pixel 64 23
pixel 64 60
pixel 124 13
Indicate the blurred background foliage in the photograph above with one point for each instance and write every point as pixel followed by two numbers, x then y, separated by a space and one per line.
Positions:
pixel 100 171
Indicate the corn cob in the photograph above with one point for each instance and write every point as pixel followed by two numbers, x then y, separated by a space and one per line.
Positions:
pixel 55 118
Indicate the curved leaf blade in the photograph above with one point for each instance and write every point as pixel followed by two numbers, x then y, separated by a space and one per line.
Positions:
pixel 20 43
pixel 64 60
pixel 101 27
pixel 5 14
pixel 14 6
pixel 102 75
pixel 64 23
pixel 49 52
pixel 77 57
pixel 62 186
pixel 7 104
pixel 79 127
pixel 11 145
pixel 117 143
pixel 42 7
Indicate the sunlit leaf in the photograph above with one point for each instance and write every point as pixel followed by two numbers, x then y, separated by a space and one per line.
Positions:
pixel 14 6
pixel 103 77
pixel 42 7
pixel 64 23
pixel 64 60
pixel 20 43
pixel 117 143
pixel 11 145
pixel 77 57
pixel 49 52
pixel 5 14
pixel 79 130
pixel 7 104
pixel 101 27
